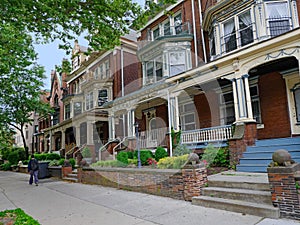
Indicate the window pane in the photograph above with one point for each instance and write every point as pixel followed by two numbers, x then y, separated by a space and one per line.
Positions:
pixel 245 28
pixel 278 17
pixel 229 36
pixel 155 33
pixel 189 118
pixel 297 100
pixel 150 69
pixel 178 23
pixel 167 30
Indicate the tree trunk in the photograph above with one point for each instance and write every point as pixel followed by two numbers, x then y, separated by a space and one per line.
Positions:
pixel 24 142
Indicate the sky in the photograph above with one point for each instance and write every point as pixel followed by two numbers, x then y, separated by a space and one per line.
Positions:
pixel 50 55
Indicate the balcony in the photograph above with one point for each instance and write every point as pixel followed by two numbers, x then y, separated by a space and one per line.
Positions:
pixel 167 33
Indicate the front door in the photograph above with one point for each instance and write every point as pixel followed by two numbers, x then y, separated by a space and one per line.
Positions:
pixel 293 90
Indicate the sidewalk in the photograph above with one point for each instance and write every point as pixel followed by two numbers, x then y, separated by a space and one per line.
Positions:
pixel 58 202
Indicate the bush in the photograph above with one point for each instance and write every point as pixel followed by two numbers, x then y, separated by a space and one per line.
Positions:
pixel 72 162
pixel 6 166
pixel 109 163
pixel 175 162
pixel 13 158
pixel 216 157
pixel 160 153
pixel 54 162
pixel 130 155
pixel 52 156
pixel 86 152
pixel 144 155
pixel 123 157
pixel 133 162
pixel 61 161
pixel 181 150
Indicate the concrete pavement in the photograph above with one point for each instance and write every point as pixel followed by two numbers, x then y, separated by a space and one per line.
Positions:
pixel 58 202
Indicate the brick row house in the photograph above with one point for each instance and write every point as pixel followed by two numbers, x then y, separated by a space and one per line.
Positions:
pixel 222 72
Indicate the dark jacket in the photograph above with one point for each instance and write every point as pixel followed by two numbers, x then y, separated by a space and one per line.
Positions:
pixel 33 165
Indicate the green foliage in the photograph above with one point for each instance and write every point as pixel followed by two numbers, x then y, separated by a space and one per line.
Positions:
pixel 181 150
pixel 20 217
pixel 130 155
pixel 5 166
pixel 54 163
pixel 122 157
pixel 160 153
pixel 144 156
pixel 86 152
pixel 72 162
pixel 216 157
pixel 109 163
pixel 46 156
pixel 13 158
pixel 61 161
pixel 172 162
pixel 133 162
pixel 175 137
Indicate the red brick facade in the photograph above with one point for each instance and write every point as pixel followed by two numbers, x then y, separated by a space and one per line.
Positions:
pixel 274 107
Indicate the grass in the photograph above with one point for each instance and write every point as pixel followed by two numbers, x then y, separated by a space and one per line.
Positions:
pixel 16 217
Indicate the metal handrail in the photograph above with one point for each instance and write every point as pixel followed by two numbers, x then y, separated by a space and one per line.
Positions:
pixel 79 149
pixel 114 149
pixel 67 153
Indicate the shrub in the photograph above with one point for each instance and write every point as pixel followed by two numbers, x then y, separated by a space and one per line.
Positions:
pixel 109 163
pixel 133 162
pixel 6 166
pixel 130 155
pixel 86 152
pixel 61 161
pixel 54 162
pixel 52 156
pixel 181 150
pixel 72 162
pixel 160 153
pixel 13 158
pixel 215 156
pixel 172 162
pixel 123 157
pixel 144 156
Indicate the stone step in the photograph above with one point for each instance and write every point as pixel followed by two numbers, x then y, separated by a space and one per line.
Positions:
pixel 255 196
pixel 262 210
pixel 70 179
pixel 239 185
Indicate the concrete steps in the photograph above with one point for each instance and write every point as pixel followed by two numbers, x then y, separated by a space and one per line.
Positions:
pixel 258 157
pixel 71 177
pixel 246 193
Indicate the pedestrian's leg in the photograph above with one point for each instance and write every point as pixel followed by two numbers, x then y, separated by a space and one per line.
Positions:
pixel 31 177
pixel 36 178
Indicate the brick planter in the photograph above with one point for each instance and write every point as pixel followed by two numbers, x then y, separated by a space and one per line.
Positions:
pixel 179 184
pixel 66 170
pixel 284 193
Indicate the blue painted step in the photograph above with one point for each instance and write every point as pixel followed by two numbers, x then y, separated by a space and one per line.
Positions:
pixel 258 157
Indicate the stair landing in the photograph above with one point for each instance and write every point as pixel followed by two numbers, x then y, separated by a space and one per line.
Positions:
pixel 247 193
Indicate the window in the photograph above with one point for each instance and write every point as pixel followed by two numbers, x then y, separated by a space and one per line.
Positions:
pixel 155 33
pixel 89 101
pixel 68 111
pixel 187 116
pixel 154 70
pixel 167 28
pixel 297 103
pixel 83 133
pixel 107 69
pixel 149 72
pixel 238 31
pixel 102 97
pixel 77 108
pixel 278 18
pixel 227 108
pixel 212 43
pixel 178 24
pixel 102 71
pixel 177 62
pixel 255 103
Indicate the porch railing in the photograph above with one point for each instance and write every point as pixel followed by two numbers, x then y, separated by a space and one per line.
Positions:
pixel 212 134
pixel 153 138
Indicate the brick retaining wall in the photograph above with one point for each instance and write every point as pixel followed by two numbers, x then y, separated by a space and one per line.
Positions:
pixel 179 184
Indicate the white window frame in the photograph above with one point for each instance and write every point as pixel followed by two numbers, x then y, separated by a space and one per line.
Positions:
pixel 183 113
pixel 237 31
pixel 172 64
pixel 288 16
pixel 89 101
pixel 68 113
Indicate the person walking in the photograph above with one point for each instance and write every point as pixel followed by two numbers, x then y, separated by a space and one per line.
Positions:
pixel 33 169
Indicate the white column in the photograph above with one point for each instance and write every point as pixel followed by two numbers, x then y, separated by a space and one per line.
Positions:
pixel 130 123
pixel 63 139
pixel 89 131
pixel 77 135
pixel 248 97
pixel 111 121
pixel 174 113
pixel 235 100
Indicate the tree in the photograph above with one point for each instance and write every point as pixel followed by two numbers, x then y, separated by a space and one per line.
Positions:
pixel 104 21
pixel 20 81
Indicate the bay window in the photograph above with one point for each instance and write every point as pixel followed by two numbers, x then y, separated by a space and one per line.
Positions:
pixel 177 62
pixel 89 101
pixel 278 18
